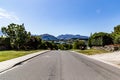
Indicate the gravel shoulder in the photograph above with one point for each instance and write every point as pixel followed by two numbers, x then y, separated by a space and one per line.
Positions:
pixel 113 57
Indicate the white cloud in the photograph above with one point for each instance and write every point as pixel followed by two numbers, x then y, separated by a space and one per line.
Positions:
pixel 4 14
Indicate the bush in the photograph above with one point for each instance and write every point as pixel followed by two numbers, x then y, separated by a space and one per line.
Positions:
pixel 5 43
pixel 100 39
pixel 79 44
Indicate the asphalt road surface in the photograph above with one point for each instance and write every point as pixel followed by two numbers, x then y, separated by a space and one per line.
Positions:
pixel 61 65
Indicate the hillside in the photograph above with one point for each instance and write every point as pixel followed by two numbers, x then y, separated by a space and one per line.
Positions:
pixel 48 37
pixel 62 37
pixel 70 36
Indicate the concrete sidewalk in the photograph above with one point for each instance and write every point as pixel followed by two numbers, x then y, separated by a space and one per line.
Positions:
pixel 5 65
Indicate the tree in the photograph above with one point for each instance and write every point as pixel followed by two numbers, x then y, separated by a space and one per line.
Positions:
pixel 33 43
pixel 117 29
pixel 75 45
pixel 116 34
pixel 47 45
pixel 43 45
pixel 117 39
pixel 17 34
pixel 100 39
pixel 61 46
pixel 79 44
pixel 89 41
pixel 4 43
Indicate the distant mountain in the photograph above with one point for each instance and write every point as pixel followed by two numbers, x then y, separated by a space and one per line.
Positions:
pixel 48 37
pixel 70 36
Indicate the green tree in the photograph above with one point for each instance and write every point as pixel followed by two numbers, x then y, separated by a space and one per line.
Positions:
pixel 116 34
pixel 47 45
pixel 117 29
pixel 75 45
pixel 4 43
pixel 117 39
pixel 43 45
pixel 17 34
pixel 90 40
pixel 100 39
pixel 79 44
pixel 33 43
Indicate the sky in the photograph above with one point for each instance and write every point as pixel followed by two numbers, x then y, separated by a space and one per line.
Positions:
pixel 57 17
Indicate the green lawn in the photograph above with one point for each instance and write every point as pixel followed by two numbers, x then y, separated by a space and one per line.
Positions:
pixel 91 51
pixel 10 54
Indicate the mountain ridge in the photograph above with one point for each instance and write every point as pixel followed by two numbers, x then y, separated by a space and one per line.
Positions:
pixel 63 37
pixel 48 37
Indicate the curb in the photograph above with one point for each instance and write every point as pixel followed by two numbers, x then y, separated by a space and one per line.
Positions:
pixel 6 65
pixel 105 62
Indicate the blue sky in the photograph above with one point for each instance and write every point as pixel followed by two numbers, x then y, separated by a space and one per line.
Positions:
pixel 61 16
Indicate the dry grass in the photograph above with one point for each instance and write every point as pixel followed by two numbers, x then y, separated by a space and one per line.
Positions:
pixel 91 51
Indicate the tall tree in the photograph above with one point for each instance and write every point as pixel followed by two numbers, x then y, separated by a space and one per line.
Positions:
pixel 117 29
pixel 17 34
pixel 116 34
pixel 100 39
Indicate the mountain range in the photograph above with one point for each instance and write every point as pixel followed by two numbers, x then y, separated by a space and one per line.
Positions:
pixel 62 37
pixel 49 37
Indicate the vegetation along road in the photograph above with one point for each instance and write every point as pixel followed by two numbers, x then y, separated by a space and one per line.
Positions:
pixel 62 65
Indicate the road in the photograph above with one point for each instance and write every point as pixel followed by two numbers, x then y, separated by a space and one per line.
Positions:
pixel 61 65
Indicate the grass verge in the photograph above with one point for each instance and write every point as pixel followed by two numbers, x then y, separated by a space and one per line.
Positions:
pixel 10 54
pixel 92 51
